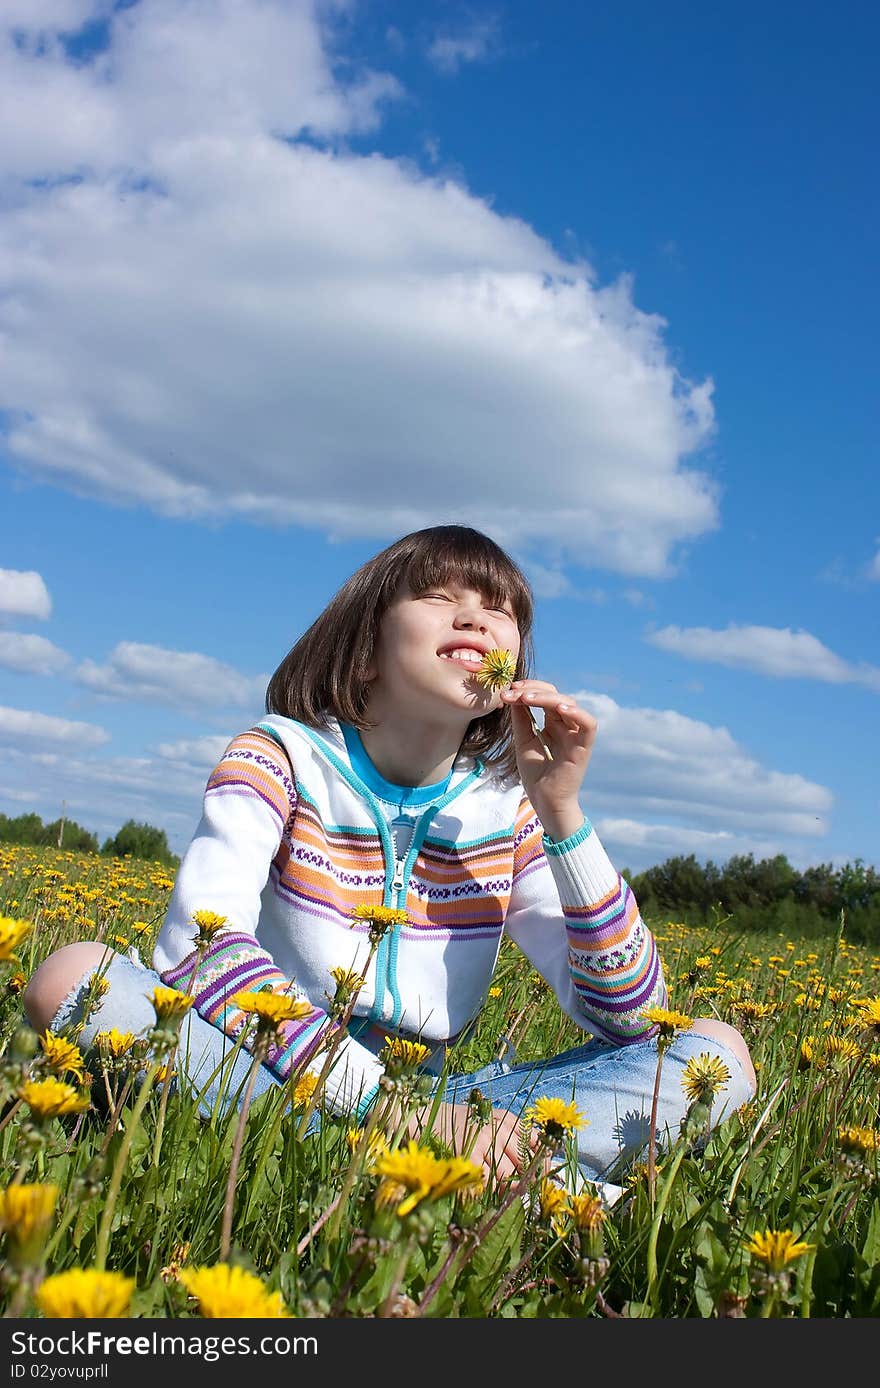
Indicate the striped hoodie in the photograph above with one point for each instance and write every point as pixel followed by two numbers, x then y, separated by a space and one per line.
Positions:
pixel 291 840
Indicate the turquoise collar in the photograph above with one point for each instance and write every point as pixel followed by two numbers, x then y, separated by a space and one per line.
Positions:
pixel 387 790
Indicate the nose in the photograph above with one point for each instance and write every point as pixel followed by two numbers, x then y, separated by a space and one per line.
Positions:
pixel 470 616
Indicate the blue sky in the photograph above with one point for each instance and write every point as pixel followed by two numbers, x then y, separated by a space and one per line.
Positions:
pixel 280 281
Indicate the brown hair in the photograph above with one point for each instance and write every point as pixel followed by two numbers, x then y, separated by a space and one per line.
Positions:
pixel 326 671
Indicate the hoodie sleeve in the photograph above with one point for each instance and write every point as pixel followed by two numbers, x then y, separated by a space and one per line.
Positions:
pixel 577 921
pixel 249 799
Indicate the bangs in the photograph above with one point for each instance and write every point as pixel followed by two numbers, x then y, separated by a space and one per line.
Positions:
pixel 470 560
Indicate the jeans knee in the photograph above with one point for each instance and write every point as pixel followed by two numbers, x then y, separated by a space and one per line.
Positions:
pixel 60 972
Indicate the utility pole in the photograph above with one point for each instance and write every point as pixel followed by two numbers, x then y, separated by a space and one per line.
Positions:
pixel 61 825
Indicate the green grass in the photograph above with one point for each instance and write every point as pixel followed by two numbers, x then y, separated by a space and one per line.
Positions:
pixel 144 1191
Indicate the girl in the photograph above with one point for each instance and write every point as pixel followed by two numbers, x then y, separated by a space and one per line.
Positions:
pixel 386 774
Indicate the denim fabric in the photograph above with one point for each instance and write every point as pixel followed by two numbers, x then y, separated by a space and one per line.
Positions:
pixel 612 1086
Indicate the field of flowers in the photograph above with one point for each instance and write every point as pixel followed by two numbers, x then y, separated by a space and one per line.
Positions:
pixel 118 1200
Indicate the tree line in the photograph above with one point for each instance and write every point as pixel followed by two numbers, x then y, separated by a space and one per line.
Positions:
pixel 754 895
pixel 767 894
pixel 134 839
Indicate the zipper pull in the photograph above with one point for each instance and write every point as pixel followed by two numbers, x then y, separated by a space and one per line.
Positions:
pixel 397 882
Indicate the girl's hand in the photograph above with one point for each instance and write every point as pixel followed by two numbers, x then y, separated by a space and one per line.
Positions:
pixel 569 731
pixel 494 1145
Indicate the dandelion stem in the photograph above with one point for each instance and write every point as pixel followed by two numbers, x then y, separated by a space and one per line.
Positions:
pixel 355 1167
pixel 119 1165
pixel 318 1225
pixel 652 1133
pixel 656 1221
pixel 335 1042
pixel 260 1047
pixel 163 1103
pixel 387 1307
pixel 117 1108
pixel 445 1271
pixel 10 1113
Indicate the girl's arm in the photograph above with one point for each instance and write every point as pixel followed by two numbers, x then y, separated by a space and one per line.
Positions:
pixel 248 800
pixel 577 921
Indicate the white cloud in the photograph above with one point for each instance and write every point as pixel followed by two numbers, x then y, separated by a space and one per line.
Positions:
pixel 157 675
pixel 476 43
pixel 18 723
pixel 201 752
pixel 873 570
pixel 659 784
pixel 56 16
pixel 778 652
pixel 662 841
pixel 102 794
pixel 24 594
pixel 658 764
pixel 373 322
pixel 32 655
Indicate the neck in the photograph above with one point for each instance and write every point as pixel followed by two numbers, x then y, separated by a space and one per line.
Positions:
pixel 410 751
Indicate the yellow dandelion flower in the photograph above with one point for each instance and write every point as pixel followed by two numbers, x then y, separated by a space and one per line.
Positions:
pixel 171 1005
pixel 555 1118
pixel 115 1041
pixel 776 1247
pixel 231 1293
pixel 49 1098
pixel 399 1055
pixel 377 1145
pixel 840 1048
pixel 26 1210
pixel 208 924
pixel 553 1204
pixel 86 1294
pixel 868 1015
pixel 667 1020
pixel 753 1011
pixel 808 1002
pixel 417 1170
pixel 15 983
pixel 494 992
pixel 12 932
pixel 62 1055
pixel 140 927
pixel 380 915
pixel 348 984
pixel 807 1053
pixel 171 1271
pixel 587 1212
pixel 346 978
pixel 873 1062
pixel 304 1089
pixel 861 1142
pixel 497 669
pixel 273 1009
pixel 703 1076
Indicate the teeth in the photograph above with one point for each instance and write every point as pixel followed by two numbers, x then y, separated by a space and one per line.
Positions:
pixel 462 654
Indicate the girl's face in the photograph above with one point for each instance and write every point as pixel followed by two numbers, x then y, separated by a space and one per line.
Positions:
pixel 430 648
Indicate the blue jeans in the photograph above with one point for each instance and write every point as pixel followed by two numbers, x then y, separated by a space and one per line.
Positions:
pixel 612 1086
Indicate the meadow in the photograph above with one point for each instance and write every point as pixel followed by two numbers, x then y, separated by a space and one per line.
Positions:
pixel 117 1199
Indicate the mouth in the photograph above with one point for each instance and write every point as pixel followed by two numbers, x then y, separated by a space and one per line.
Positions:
pixel 467 657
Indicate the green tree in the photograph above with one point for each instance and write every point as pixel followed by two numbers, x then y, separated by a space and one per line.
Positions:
pixel 139 841
pixel 29 829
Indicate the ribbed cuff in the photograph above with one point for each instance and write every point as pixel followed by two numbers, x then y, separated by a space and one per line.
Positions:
pixel 582 870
